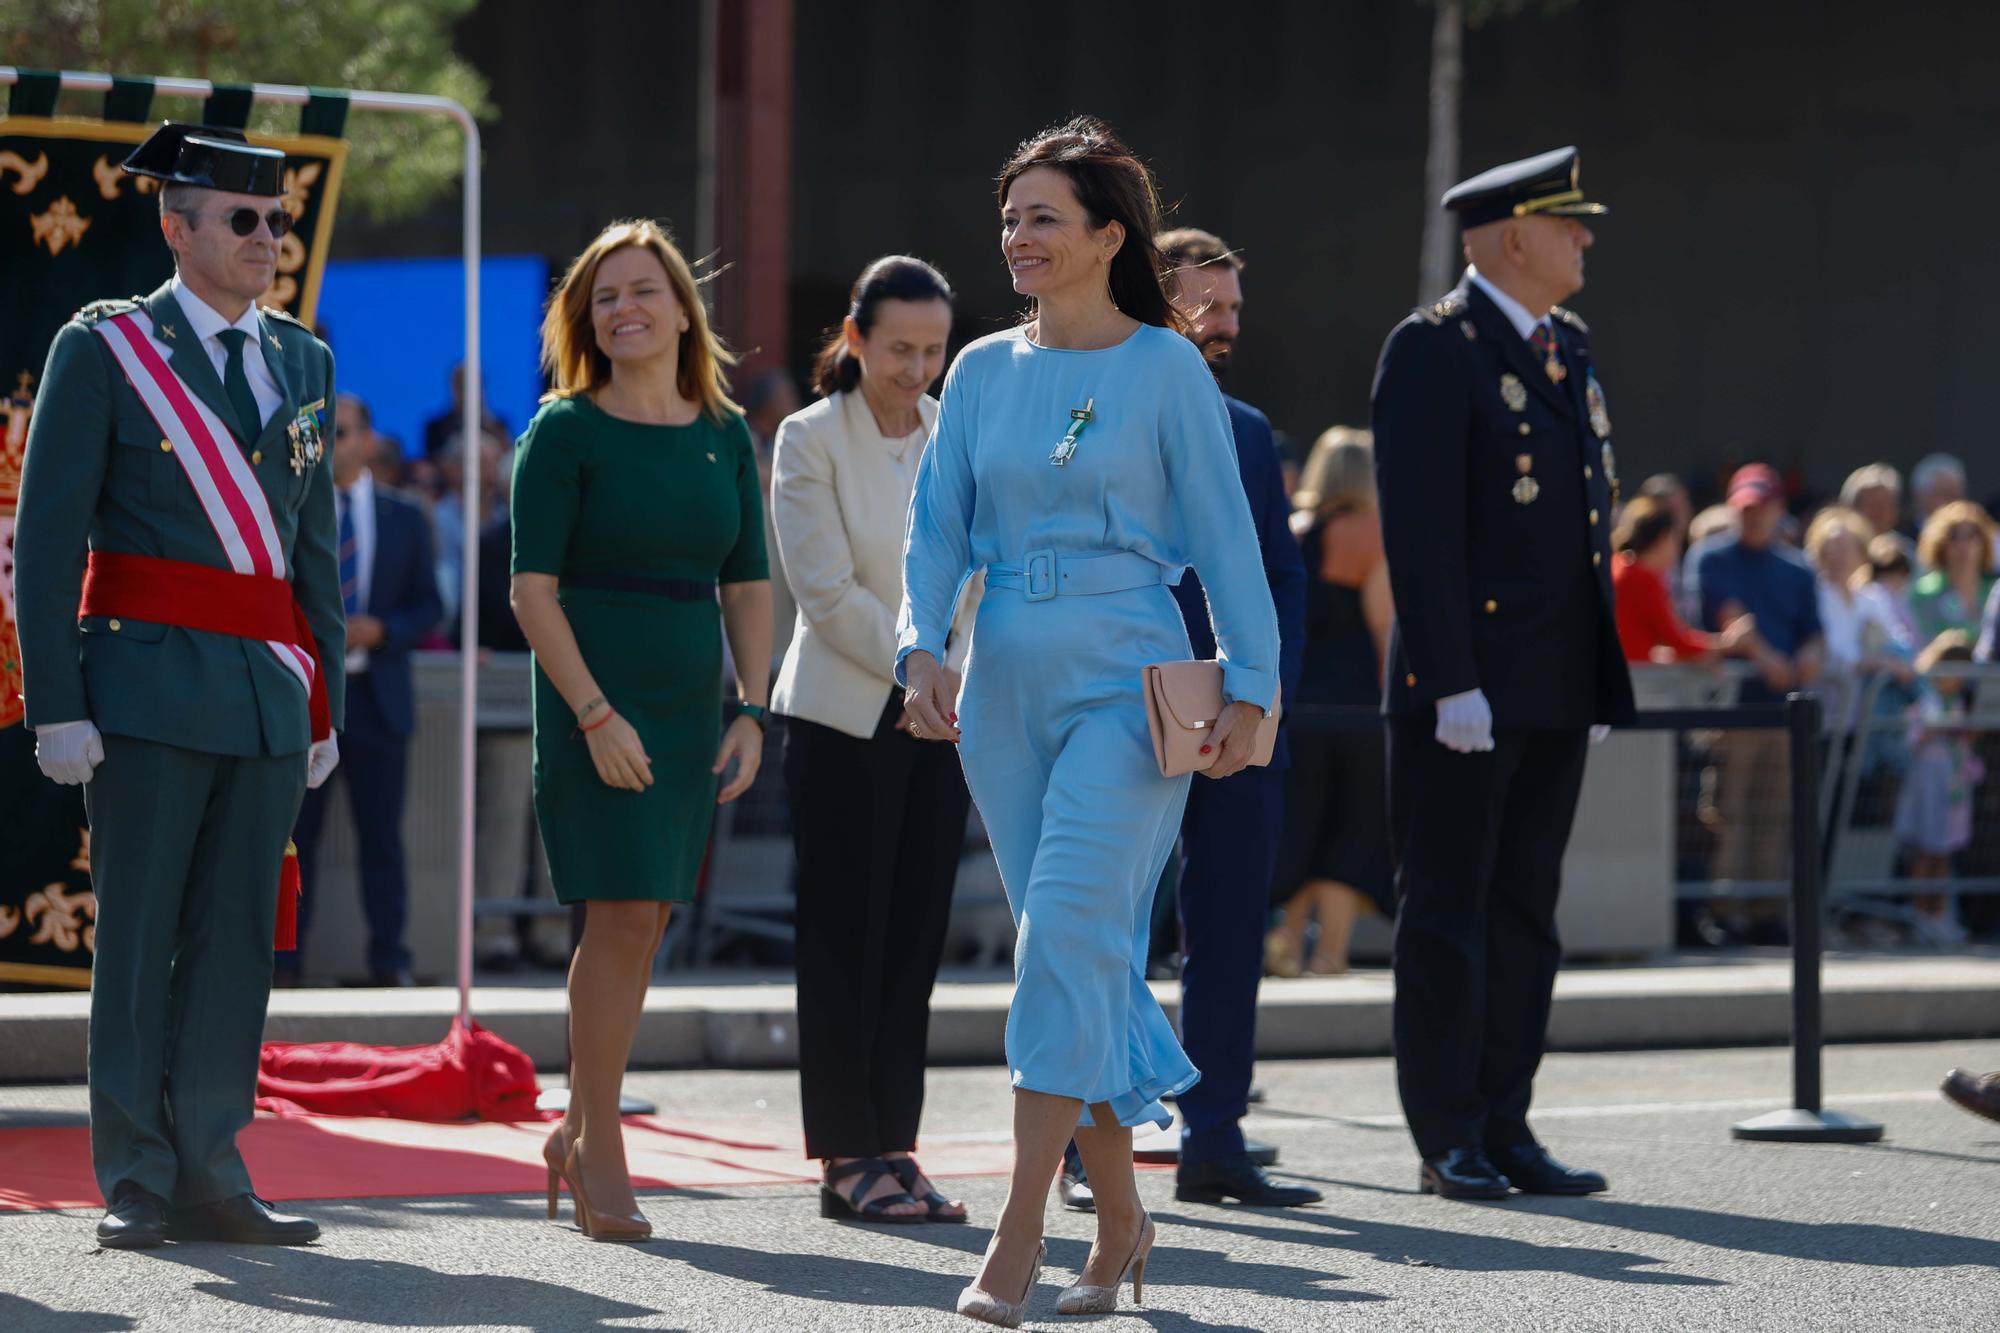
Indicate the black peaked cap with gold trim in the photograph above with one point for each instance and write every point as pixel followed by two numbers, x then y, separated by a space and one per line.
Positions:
pixel 1549 183
pixel 210 158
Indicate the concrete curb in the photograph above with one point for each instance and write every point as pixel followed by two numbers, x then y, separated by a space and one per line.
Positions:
pixel 753 1025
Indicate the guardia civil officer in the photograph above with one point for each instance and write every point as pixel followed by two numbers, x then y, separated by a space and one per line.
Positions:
pixel 1493 458
pixel 181 644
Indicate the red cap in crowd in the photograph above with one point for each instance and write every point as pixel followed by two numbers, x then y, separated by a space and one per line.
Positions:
pixel 1755 484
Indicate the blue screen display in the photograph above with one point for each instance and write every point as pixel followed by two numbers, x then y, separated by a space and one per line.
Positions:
pixel 397 328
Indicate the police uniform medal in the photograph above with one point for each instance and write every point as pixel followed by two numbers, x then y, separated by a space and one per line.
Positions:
pixel 1526 488
pixel 1513 393
pixel 1600 419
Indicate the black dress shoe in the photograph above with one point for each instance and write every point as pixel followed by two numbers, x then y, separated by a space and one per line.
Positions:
pixel 1462 1173
pixel 1077 1196
pixel 135 1220
pixel 243 1219
pixel 1977 1093
pixel 1237 1178
pixel 1532 1171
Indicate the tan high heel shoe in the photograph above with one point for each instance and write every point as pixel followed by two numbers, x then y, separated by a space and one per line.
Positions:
pixel 977 1303
pixel 596 1225
pixel 555 1156
pixel 1078 1298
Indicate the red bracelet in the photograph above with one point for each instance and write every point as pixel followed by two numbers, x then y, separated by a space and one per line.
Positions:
pixel 609 713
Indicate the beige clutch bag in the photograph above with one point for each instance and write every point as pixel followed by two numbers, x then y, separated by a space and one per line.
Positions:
pixel 1183 702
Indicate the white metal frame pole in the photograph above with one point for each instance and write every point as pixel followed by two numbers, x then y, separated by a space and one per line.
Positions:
pixel 421 104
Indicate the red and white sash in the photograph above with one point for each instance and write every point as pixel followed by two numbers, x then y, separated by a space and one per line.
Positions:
pixel 228 490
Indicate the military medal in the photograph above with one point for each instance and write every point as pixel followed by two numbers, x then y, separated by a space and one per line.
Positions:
pixel 1079 417
pixel 1513 393
pixel 1600 419
pixel 1526 488
pixel 1471 334
pixel 1610 462
pixel 308 444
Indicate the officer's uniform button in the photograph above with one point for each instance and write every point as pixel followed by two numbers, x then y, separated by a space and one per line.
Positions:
pixel 166 446
pixel 1491 606
pixel 1597 557
pixel 1411 680
pixel 115 626
pixel 257 456
pixel 1523 428
pixel 1593 518
pixel 1586 472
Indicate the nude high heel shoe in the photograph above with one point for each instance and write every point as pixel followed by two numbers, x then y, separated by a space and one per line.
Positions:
pixel 975 1302
pixel 1081 1299
pixel 596 1225
pixel 555 1156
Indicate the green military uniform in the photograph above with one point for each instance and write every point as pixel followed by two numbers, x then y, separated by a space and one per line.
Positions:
pixel 205 736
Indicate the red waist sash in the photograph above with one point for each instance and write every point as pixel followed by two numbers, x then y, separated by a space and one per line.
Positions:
pixel 202 597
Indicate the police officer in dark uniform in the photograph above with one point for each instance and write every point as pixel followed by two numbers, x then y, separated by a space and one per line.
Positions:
pixel 1497 480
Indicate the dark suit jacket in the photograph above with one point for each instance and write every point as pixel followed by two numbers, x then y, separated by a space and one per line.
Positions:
pixel 1284 567
pixel 404 597
pixel 1498 586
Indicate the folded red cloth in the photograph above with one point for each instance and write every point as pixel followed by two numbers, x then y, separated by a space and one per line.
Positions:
pixel 472 1073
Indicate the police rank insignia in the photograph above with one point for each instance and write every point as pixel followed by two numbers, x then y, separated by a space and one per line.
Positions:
pixel 1526 488
pixel 1601 421
pixel 307 440
pixel 1514 393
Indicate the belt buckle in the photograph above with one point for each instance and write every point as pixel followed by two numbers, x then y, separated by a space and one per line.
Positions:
pixel 1040 564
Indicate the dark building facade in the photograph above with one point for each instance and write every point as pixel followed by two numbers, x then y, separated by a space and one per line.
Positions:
pixel 1801 188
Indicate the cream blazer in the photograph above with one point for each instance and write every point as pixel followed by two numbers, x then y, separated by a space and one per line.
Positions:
pixel 840 501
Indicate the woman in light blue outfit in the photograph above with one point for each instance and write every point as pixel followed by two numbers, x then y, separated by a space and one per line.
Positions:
pixel 1084 460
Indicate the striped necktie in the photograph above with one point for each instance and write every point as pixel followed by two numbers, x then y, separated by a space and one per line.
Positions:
pixel 1543 340
pixel 350 561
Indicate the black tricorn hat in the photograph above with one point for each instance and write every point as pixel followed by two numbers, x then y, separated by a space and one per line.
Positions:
pixel 210 158
pixel 1547 183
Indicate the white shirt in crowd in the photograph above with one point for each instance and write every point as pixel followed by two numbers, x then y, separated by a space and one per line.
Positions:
pixel 1856 623
pixel 208 326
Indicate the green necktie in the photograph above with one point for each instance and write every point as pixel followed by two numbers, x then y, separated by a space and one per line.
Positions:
pixel 236 384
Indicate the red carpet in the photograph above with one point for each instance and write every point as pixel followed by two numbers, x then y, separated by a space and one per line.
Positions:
pixel 329 1158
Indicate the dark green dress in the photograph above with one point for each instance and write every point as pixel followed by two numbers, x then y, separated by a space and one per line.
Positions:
pixel 598 496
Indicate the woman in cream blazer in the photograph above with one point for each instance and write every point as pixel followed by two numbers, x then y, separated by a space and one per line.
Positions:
pixel 878 816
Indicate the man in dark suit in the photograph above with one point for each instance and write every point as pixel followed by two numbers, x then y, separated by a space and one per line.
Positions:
pixel 388 583
pixel 1233 823
pixel 1497 481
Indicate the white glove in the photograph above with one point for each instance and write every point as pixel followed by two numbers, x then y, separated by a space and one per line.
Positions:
pixel 1465 722
pixel 69 751
pixel 1598 731
pixel 321 759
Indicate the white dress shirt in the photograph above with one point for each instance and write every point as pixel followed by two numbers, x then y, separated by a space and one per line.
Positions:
pixel 208 326
pixel 361 498
pixel 1523 320
pixel 840 502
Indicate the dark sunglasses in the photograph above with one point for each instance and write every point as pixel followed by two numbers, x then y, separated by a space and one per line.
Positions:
pixel 243 221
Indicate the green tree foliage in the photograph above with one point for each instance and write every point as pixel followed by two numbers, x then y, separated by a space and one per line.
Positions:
pixel 396 163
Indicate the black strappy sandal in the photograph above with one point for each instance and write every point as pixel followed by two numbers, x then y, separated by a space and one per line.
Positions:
pixel 832 1203
pixel 905 1170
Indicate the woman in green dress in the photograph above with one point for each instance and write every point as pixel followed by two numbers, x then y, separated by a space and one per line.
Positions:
pixel 636 518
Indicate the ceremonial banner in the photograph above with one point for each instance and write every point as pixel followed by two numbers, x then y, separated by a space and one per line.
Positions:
pixel 75 229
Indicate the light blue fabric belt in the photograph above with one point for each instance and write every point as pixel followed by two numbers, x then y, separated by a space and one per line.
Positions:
pixel 1046 573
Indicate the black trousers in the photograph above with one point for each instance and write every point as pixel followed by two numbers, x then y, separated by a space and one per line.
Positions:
pixel 879 825
pixel 374 767
pixel 1479 842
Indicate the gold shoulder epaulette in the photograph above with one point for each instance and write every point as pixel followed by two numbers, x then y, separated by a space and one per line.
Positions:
pixel 1570 317
pixel 104 309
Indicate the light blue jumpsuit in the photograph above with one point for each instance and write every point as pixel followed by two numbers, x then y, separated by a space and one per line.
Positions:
pixel 1078 561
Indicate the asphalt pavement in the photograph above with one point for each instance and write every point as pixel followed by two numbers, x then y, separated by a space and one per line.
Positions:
pixel 1698 1232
